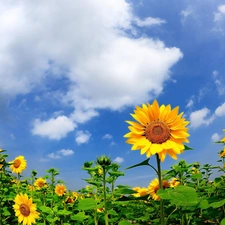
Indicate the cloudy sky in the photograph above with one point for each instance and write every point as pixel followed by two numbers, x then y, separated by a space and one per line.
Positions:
pixel 71 72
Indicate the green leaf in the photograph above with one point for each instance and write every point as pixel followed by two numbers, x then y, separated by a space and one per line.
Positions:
pixel 63 212
pixel 87 203
pixel 180 196
pixel 45 209
pixel 112 212
pixel 124 222
pixel 144 163
pixel 187 148
pixel 222 221
pixel 204 204
pixel 79 217
pixel 218 204
pixel 123 191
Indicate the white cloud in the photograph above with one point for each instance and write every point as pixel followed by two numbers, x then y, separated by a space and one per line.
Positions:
pixel 215 137
pixel 220 13
pixel 220 111
pixel 190 103
pixel 118 160
pixel 107 136
pixel 82 116
pixel 185 14
pixel 66 152
pixel 82 137
pixel 219 82
pixel 215 73
pixel 54 128
pixel 59 154
pixel 198 118
pixel 149 21
pixel 89 44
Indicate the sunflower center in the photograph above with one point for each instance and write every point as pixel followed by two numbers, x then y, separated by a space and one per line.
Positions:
pixel 25 209
pixel 157 132
pixel 17 163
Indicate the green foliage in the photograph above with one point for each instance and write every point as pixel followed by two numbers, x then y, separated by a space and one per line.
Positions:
pixel 196 200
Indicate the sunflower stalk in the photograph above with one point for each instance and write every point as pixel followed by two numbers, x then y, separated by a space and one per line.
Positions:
pixel 161 187
pixel 104 193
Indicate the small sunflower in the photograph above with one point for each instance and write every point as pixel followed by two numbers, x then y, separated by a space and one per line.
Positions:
pixel 158 130
pixel 60 189
pixel 40 183
pixel 223 139
pixel 19 164
pixel 140 191
pixel 222 153
pixel 174 182
pixel 75 195
pixel 154 187
pixel 25 210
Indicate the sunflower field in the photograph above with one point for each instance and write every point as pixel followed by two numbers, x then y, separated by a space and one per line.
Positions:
pixel 182 195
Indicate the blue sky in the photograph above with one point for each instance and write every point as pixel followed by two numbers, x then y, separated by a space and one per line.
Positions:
pixel 72 72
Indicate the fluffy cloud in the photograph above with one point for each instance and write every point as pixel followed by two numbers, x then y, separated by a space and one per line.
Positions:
pixel 198 118
pixel 219 82
pixel 54 128
pixel 118 160
pixel 91 45
pixel 220 111
pixel 59 154
pixel 82 137
pixel 215 137
pixel 220 13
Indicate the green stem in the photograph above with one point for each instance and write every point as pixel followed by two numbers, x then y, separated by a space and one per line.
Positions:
pixel 1 199
pixel 104 193
pixel 161 187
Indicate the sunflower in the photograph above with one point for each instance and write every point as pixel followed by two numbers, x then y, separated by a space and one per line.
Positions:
pixel 25 210
pixel 223 139
pixel 19 164
pixel 60 189
pixel 40 183
pixel 140 191
pixel 174 182
pixel 158 130
pixel 154 187
pixel 222 153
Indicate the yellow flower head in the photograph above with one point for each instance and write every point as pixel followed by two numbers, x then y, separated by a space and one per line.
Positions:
pixel 60 189
pixel 223 139
pixel 100 171
pixel 174 182
pixel 25 210
pixel 195 170
pixel 154 187
pixel 140 191
pixel 19 164
pixel 222 153
pixel 100 210
pixel 75 195
pixel 40 183
pixel 158 130
pixel 70 200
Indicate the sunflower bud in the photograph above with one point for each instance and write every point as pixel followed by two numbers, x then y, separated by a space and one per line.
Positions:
pixel 88 164
pixel 104 161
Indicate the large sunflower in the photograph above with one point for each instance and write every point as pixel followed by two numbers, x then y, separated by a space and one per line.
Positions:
pixel 19 164
pixel 157 130
pixel 25 210
pixel 154 187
